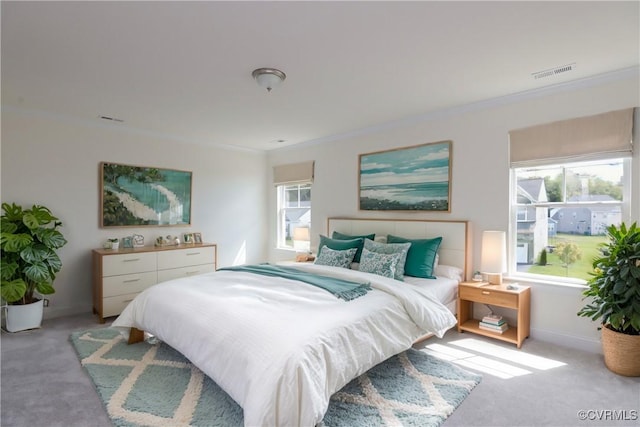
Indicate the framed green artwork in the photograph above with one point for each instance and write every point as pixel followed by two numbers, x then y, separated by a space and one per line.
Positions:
pixel 416 178
pixel 134 196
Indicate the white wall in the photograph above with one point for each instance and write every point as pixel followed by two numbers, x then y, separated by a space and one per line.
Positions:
pixel 54 161
pixel 480 175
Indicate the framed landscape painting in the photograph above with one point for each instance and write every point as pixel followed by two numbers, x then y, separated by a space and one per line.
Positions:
pixel 416 178
pixel 133 196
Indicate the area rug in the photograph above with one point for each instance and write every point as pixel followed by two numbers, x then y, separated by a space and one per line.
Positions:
pixel 153 385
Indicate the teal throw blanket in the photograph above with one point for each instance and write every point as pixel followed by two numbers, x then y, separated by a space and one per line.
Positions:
pixel 343 289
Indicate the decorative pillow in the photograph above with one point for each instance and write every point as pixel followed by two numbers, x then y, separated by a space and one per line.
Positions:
pixel 335 258
pixel 380 264
pixel 339 236
pixel 390 248
pixel 421 256
pixel 340 245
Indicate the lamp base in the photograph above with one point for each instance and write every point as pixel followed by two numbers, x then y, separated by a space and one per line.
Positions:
pixel 494 279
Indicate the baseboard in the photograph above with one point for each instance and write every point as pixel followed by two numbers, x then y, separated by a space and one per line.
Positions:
pixel 53 312
pixel 579 343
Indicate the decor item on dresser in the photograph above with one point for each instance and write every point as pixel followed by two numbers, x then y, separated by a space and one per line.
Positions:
pixel 112 243
pixel 118 276
pixel 167 240
pixel 416 178
pixel 28 248
pixel 614 298
pixel 138 240
pixel 127 242
pixel 187 238
pixel 197 238
pixel 139 196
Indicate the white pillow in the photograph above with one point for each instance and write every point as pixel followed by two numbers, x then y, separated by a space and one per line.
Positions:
pixel 449 272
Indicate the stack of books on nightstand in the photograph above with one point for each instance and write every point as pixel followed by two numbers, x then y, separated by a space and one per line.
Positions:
pixel 493 323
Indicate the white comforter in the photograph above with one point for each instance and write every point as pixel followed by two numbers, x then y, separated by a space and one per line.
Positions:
pixel 281 348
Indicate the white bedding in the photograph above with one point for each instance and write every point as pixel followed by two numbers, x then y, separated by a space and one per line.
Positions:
pixel 281 348
pixel 443 288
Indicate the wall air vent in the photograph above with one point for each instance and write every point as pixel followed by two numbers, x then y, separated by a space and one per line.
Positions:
pixel 554 71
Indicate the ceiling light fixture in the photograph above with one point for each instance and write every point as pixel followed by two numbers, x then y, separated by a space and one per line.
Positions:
pixel 268 78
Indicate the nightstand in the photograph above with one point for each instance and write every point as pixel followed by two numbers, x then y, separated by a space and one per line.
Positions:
pixel 497 295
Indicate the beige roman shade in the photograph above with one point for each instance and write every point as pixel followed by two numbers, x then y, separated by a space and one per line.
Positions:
pixel 602 135
pixel 294 173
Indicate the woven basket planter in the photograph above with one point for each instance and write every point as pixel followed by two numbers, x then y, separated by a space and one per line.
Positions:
pixel 621 352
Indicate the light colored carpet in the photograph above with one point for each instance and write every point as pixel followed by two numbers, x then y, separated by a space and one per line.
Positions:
pixel 153 385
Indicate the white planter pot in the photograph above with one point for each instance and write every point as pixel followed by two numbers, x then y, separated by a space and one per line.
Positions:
pixel 23 317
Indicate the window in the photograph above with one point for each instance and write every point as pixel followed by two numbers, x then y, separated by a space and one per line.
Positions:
pixel 570 180
pixel 293 188
pixel 294 216
pixel 564 210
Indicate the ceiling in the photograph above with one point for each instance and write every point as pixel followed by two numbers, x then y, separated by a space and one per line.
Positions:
pixel 182 70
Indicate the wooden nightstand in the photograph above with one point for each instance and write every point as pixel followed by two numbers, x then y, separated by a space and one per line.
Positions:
pixel 498 295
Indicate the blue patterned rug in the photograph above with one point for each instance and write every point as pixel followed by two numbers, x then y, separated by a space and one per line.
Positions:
pixel 154 385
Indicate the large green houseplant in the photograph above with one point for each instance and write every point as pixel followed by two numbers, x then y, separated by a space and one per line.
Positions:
pixel 29 240
pixel 614 298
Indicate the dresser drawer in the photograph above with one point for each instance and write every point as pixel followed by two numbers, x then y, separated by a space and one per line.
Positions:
pixel 114 265
pixel 174 273
pixel 128 283
pixel 185 257
pixel 489 296
pixel 113 306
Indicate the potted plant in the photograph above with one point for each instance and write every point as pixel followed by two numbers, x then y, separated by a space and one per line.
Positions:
pixel 614 290
pixel 28 243
pixel 113 243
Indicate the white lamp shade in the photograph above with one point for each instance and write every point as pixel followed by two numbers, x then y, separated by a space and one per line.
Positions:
pixel 494 252
pixel 301 234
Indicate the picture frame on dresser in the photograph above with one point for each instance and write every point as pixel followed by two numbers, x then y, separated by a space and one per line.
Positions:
pixel 138 196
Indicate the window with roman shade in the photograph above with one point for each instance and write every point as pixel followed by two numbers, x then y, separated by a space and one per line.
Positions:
pixel 570 180
pixel 293 189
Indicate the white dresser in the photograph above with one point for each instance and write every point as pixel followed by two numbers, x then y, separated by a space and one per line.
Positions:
pixel 121 274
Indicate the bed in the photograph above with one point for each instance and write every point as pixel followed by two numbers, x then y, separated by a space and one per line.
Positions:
pixel 280 347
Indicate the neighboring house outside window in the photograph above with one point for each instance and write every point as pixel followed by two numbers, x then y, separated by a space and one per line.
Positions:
pixel 294 216
pixel 565 209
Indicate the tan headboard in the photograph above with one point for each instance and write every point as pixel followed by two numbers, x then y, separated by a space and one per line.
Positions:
pixel 453 249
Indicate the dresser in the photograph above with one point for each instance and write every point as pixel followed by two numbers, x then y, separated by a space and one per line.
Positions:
pixel 121 274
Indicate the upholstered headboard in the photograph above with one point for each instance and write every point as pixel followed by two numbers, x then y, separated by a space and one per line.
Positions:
pixel 453 249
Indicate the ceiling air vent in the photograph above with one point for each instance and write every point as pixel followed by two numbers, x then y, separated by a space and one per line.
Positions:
pixel 112 119
pixel 554 71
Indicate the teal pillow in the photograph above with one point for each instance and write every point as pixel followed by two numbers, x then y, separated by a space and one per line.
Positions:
pixel 341 245
pixel 339 236
pixel 421 256
pixel 380 264
pixel 391 248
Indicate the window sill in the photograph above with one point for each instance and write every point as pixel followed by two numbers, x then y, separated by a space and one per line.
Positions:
pixel 536 280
